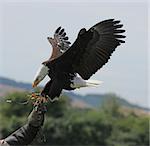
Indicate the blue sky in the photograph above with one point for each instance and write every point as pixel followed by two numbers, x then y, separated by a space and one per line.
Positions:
pixel 25 26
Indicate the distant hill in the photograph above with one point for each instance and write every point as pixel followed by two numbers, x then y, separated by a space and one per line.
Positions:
pixel 13 83
pixel 97 100
pixel 90 100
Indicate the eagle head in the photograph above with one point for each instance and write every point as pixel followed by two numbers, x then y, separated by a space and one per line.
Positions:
pixel 40 75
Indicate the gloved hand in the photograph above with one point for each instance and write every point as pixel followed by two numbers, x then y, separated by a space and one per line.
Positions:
pixel 36 117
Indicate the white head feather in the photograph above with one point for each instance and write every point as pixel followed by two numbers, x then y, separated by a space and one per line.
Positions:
pixel 40 75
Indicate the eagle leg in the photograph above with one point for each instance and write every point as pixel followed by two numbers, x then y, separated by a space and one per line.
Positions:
pixel 52 90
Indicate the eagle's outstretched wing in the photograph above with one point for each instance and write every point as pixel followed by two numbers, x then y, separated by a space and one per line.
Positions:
pixel 61 39
pixel 59 43
pixel 92 48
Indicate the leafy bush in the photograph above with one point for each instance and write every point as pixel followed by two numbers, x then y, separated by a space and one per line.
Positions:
pixel 65 125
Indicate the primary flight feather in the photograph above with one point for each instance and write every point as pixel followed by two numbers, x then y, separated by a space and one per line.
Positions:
pixel 90 51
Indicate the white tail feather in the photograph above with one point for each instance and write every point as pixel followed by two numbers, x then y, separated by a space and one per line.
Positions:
pixel 93 82
pixel 78 82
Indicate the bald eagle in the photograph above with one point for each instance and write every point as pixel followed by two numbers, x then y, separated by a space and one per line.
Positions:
pixel 90 51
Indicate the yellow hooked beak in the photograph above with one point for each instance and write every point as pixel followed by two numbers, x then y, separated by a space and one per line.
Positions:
pixel 35 83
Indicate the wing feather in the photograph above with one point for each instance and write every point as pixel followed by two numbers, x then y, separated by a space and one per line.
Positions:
pixel 92 49
pixel 101 50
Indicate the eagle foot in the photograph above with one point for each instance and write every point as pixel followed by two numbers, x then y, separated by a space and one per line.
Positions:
pixel 38 99
pixel 54 99
pixel 34 95
pixel 51 99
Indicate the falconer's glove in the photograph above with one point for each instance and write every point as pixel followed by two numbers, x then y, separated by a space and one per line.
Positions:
pixel 36 117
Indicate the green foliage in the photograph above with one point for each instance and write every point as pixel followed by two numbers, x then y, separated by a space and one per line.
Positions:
pixel 15 107
pixel 65 125
pixel 57 109
pixel 14 114
pixel 78 129
pixel 111 106
pixel 130 131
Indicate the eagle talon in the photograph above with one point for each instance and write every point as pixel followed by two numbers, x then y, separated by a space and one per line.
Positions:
pixel 34 95
pixel 38 99
pixel 42 99
pixel 54 99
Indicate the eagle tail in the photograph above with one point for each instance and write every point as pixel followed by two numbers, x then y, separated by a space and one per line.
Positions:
pixel 78 82
pixel 93 83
